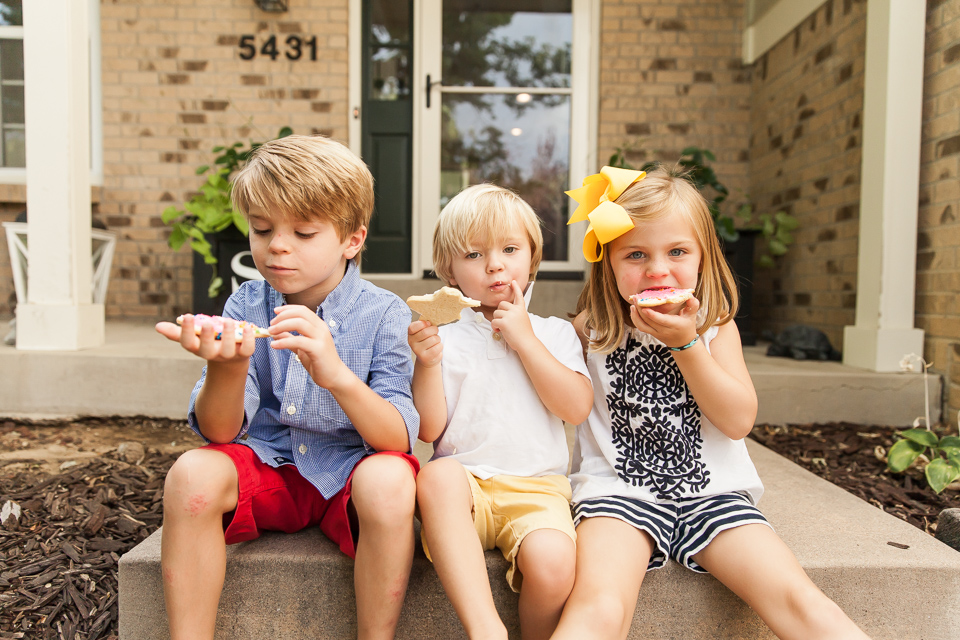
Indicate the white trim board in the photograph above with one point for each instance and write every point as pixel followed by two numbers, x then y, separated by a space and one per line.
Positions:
pixel 772 26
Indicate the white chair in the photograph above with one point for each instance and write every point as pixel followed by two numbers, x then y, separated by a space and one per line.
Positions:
pixel 102 243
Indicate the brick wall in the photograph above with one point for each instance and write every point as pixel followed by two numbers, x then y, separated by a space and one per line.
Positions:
pixel 938 242
pixel 174 86
pixel 671 76
pixel 806 110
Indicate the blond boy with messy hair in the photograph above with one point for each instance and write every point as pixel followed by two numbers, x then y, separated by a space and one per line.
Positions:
pixel 493 391
pixel 312 427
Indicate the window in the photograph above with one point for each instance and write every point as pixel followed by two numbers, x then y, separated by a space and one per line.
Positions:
pixel 12 141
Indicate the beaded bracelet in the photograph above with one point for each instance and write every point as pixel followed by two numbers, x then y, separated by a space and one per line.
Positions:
pixel 686 346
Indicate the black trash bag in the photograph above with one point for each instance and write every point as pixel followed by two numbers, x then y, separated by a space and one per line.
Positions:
pixel 800 342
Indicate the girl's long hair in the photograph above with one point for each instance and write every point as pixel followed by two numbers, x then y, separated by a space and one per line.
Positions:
pixel 660 193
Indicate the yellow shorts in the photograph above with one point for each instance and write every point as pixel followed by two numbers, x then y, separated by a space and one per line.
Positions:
pixel 507 508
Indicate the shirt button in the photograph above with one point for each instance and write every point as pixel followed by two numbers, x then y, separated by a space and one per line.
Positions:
pixel 291 410
pixel 297 358
pixel 497 336
pixel 302 448
pixel 333 323
pixel 478 318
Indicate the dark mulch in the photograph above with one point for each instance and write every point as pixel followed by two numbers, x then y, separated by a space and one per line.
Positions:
pixel 58 563
pixel 848 455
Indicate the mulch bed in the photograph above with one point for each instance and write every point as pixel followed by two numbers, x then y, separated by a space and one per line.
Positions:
pixel 58 563
pixel 848 455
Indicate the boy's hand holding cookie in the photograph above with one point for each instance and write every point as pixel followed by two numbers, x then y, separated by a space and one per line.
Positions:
pixel 512 321
pixel 199 336
pixel 312 344
pixel 424 341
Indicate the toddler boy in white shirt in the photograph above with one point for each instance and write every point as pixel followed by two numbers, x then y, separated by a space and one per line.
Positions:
pixel 493 391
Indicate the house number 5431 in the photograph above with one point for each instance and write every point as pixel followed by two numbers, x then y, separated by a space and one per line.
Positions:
pixel 293 47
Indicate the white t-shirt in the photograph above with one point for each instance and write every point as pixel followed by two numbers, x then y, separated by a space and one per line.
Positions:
pixel 496 423
pixel 646 438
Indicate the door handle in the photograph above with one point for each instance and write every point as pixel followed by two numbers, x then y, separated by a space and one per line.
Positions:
pixel 430 85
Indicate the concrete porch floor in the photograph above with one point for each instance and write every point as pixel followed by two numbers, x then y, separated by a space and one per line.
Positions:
pixel 138 372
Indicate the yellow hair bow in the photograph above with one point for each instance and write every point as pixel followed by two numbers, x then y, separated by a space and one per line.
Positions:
pixel 608 220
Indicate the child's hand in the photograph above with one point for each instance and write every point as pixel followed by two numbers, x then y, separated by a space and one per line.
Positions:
pixel 424 340
pixel 313 346
pixel 672 329
pixel 512 321
pixel 206 344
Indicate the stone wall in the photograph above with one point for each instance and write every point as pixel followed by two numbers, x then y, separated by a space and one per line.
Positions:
pixel 671 77
pixel 806 111
pixel 938 250
pixel 174 86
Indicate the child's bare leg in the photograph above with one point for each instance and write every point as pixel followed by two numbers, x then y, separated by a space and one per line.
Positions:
pixel 446 507
pixel 547 558
pixel 756 565
pixel 612 559
pixel 200 487
pixel 383 495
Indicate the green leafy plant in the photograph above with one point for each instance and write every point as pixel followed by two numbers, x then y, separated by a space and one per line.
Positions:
pixel 941 466
pixel 775 229
pixel 210 210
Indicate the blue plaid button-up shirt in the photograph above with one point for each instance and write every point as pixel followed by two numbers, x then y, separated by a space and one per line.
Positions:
pixel 288 418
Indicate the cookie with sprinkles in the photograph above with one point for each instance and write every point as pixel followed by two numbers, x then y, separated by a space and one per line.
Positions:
pixel 199 319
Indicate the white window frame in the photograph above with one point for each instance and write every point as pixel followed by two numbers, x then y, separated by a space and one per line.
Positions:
pixel 18 175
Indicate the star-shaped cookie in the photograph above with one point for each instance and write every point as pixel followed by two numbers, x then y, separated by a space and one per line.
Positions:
pixel 441 306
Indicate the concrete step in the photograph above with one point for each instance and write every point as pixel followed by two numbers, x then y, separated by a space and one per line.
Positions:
pixel 300 586
pixel 137 372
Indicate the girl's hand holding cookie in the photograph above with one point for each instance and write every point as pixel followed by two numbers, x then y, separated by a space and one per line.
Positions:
pixel 424 340
pixel 672 329
pixel 300 330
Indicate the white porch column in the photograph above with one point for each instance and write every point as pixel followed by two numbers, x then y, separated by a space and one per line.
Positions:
pixel 59 313
pixel 890 177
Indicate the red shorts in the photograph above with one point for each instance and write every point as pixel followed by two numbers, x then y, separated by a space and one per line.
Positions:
pixel 280 499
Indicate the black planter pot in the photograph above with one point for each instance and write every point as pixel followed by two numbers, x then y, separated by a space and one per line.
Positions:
pixel 739 256
pixel 226 246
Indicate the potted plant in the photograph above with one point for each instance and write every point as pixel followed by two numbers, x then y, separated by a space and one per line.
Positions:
pixel 773 231
pixel 214 229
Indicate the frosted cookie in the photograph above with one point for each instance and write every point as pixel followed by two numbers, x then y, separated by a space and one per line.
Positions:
pixel 217 321
pixel 658 297
pixel 441 306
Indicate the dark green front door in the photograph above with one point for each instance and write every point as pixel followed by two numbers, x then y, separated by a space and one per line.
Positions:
pixel 387 128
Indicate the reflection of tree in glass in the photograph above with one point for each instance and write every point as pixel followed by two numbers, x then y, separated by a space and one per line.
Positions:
pixel 484 157
pixel 474 55
pixel 11 12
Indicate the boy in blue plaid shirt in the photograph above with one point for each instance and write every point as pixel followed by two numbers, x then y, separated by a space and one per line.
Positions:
pixel 313 426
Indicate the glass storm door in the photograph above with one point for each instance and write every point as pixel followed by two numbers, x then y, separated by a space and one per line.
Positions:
pixel 497 106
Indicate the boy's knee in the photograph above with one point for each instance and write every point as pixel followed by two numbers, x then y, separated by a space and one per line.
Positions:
pixel 439 477
pixel 385 490
pixel 200 483
pixel 549 560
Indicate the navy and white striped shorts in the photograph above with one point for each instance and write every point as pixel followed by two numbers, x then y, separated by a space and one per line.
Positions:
pixel 680 528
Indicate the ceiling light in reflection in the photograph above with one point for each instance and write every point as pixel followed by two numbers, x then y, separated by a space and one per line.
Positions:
pixel 524 98
pixel 516 131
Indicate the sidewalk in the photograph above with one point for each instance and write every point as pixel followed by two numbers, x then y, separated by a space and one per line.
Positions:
pixel 138 372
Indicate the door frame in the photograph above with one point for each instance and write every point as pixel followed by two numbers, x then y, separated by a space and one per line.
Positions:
pixel 427 27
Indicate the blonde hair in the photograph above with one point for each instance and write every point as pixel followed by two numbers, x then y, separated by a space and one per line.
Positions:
pixel 307 178
pixel 661 193
pixel 483 212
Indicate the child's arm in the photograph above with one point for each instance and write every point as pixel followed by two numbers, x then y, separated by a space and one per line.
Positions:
pixel 377 420
pixel 718 379
pixel 428 398
pixel 564 392
pixel 219 406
